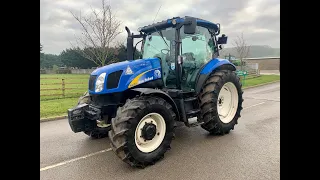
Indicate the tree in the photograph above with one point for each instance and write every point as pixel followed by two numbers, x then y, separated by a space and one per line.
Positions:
pixel 71 58
pixel 99 30
pixel 49 60
pixel 242 48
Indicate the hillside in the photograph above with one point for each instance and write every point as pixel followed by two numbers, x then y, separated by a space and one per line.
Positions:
pixel 255 51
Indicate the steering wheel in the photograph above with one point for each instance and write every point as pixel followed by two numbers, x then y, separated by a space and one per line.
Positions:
pixel 189 56
pixel 165 50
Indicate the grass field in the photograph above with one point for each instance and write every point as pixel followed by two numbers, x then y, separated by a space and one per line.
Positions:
pixel 57 107
pixel 261 80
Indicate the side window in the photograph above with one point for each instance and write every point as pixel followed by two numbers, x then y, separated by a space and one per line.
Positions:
pixel 197 47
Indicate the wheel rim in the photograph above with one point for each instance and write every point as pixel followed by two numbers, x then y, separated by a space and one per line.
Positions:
pixel 227 102
pixel 142 143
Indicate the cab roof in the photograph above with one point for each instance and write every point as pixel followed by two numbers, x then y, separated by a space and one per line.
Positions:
pixel 168 23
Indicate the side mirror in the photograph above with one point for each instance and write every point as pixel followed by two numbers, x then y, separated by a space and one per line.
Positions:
pixel 190 25
pixel 223 39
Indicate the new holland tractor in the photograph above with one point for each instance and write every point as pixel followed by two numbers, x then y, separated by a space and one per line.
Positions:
pixel 138 102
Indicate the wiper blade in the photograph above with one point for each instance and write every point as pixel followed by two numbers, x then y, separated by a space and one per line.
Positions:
pixel 160 33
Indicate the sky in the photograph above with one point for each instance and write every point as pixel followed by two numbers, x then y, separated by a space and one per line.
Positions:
pixel 258 20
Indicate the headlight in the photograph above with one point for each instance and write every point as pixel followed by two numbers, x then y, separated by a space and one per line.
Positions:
pixel 100 82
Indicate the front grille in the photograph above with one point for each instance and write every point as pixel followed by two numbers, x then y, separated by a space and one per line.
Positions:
pixel 92 79
pixel 113 79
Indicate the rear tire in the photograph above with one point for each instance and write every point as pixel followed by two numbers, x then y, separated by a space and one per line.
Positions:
pixel 126 132
pixel 98 132
pixel 222 85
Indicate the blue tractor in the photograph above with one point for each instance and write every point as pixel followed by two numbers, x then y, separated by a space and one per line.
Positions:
pixel 138 102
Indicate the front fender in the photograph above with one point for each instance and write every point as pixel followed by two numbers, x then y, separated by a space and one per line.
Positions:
pixel 211 66
pixel 159 93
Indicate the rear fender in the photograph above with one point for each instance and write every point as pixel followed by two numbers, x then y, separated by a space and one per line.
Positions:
pixel 211 66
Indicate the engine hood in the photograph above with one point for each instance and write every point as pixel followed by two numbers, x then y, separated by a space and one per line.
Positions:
pixel 133 64
pixel 130 69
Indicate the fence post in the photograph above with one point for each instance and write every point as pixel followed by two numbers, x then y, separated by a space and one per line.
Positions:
pixel 258 70
pixel 63 86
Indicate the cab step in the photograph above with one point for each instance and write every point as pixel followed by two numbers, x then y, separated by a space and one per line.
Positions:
pixel 190 99
pixel 193 113
pixel 193 122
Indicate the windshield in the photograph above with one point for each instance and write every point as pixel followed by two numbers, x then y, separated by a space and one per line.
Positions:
pixel 154 45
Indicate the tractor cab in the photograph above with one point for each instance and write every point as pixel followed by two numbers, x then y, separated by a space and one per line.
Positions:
pixel 183 45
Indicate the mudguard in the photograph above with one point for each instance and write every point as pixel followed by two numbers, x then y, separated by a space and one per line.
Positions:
pixel 211 66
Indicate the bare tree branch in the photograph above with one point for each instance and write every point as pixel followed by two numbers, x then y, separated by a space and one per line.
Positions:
pixel 81 52
pixel 95 59
pixel 99 29
pixel 242 48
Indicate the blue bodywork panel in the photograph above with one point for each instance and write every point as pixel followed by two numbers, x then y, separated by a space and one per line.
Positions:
pixel 213 64
pixel 142 70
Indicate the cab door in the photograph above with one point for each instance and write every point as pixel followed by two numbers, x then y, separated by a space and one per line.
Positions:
pixel 196 50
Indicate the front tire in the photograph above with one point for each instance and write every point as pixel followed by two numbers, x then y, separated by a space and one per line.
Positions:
pixel 143 130
pixel 221 102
